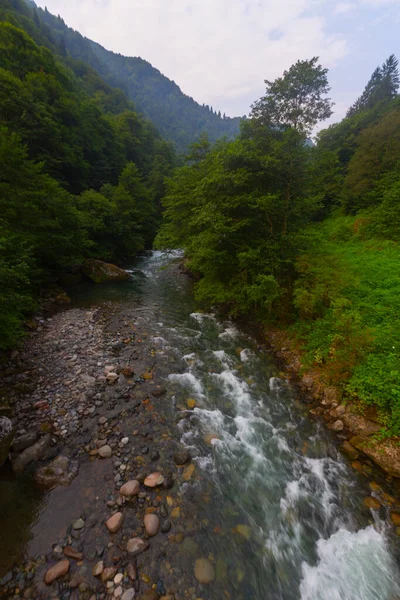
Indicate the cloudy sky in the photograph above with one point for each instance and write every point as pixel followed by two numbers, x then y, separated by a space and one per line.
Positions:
pixel 220 51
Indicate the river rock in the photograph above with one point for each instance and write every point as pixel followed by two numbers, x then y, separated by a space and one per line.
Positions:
pixel 33 453
pixel 71 552
pixel 204 570
pixel 360 426
pixel 129 594
pixel 130 488
pixel 349 450
pixel 182 456
pixel 24 441
pixel 108 574
pixel 101 272
pixel 114 523
pixel 59 472
pixel 98 568
pixel 337 426
pixel 58 570
pixel 385 453
pixel 154 480
pixel 136 546
pixel 6 437
pixel 151 524
pixel 78 524
pixel 371 502
pixel 105 451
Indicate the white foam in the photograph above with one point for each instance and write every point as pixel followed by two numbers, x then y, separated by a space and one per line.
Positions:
pixel 351 566
pixel 246 355
pixel 229 333
pixel 236 389
pixel 187 380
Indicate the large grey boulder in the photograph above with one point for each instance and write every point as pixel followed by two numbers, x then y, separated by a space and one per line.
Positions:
pixel 6 437
pixel 101 272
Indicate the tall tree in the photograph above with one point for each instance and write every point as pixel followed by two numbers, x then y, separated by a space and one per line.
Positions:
pixel 296 99
pixel 382 86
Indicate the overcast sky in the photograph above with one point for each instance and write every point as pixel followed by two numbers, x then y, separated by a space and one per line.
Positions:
pixel 220 51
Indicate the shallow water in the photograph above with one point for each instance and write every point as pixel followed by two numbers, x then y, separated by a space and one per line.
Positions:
pixel 282 512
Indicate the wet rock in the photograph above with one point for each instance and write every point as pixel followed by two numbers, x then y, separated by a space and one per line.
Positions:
pixel 188 472
pixel 158 391
pixel 182 456
pixel 118 592
pixel 136 546
pixel 204 570
pixel 6 437
pixel 155 455
pixel 371 502
pixel 151 524
pixel 166 526
pixel 101 272
pixel 72 553
pixel 24 441
pixel 244 531
pixel 105 451
pixel 33 453
pixel 58 570
pixel 130 488
pixel 395 518
pixel 349 450
pixel 154 480
pixel 385 453
pixel 114 523
pixel 98 568
pixel 191 403
pixel 59 472
pixel 118 578
pixel 112 377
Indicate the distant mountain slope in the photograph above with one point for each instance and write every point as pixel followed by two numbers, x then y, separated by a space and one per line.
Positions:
pixel 177 116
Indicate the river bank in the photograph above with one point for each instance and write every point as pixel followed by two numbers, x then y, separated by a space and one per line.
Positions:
pixel 177 427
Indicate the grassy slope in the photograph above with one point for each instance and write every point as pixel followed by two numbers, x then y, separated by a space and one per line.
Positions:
pixel 348 297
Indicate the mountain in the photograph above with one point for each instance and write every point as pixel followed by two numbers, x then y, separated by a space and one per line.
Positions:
pixel 178 117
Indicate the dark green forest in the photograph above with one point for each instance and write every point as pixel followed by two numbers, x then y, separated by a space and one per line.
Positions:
pixel 177 117
pixel 300 236
pixel 305 237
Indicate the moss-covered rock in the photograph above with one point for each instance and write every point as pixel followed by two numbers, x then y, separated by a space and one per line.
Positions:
pixel 101 272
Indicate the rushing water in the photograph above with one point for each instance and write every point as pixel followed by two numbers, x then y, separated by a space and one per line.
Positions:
pixel 303 532
pixel 283 513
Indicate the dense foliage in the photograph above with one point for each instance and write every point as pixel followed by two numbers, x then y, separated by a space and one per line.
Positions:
pixel 282 231
pixel 177 117
pixel 82 174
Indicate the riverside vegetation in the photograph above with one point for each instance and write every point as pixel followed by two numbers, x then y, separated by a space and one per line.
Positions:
pixel 287 231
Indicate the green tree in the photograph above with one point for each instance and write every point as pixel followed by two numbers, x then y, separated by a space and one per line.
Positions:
pixel 296 99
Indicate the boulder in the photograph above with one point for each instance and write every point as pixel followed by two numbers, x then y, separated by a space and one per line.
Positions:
pixel 385 453
pixel 130 488
pixel 61 471
pixel 35 452
pixel 24 441
pixel 359 425
pixel 101 272
pixel 6 437
pixel 349 450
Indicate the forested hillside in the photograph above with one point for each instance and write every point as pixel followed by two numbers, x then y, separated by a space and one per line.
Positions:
pixel 81 172
pixel 177 117
pixel 305 237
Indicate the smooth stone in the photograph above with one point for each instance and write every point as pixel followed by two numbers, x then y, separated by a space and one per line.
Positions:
pixel 154 480
pixel 24 441
pixel 136 546
pixel 244 531
pixel 31 454
pixel 114 523
pixel 72 553
pixel 118 578
pixel 129 594
pixel 337 425
pixel 78 524
pixel 105 451
pixel 125 440
pixel 118 592
pixel 166 526
pixel 151 524
pixel 58 570
pixel 130 488
pixel 108 573
pixel 371 502
pixel 98 568
pixel 204 570
pixel 182 456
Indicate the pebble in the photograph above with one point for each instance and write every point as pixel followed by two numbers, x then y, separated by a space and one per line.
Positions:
pixel 105 451
pixel 181 457
pixel 136 546
pixel 118 578
pixel 98 568
pixel 204 570
pixel 78 524
pixel 56 571
pixel 166 526
pixel 72 553
pixel 114 523
pixel 151 524
pixel 125 440
pixel 154 480
pixel 118 592
pixel 108 573
pixel 129 594
pixel 130 488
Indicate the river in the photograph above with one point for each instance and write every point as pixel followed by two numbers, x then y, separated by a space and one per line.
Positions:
pixel 283 516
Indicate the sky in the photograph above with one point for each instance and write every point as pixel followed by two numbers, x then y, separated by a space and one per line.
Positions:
pixel 221 51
